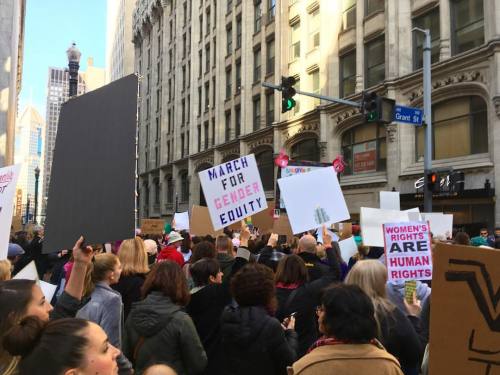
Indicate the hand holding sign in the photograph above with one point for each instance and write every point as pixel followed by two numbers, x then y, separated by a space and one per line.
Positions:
pixel 82 254
pixel 273 240
pixel 327 239
pixel 245 234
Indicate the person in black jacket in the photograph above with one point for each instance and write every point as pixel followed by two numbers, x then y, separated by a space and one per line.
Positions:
pixel 296 294
pixel 307 251
pixel 254 342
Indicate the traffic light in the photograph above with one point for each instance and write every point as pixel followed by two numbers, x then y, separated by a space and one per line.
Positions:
pixel 433 182
pixel 287 93
pixel 371 106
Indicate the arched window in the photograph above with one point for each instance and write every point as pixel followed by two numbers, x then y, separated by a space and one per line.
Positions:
pixel 307 149
pixel 184 186
pixel 460 128
pixel 265 163
pixel 364 149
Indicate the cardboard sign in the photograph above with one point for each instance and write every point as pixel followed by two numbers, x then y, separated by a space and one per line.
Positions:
pixel 8 181
pixel 345 230
pixel 441 224
pixel 233 191
pixel 264 219
pixel 372 220
pixel 408 251
pixel 181 220
pixel 200 222
pixel 152 226
pixel 282 226
pixel 313 199
pixel 389 200
pixel 465 320
pixel 348 248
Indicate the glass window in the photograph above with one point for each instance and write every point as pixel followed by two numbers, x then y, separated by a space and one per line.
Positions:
pixel 229 41
pixel 375 61
pixel 256 65
pixel 257 9
pixel 270 56
pixel 364 149
pixel 256 113
pixel 314 26
pixel 228 126
pixel 347 74
pixel 295 47
pixel 467 24
pixel 271 10
pixel 238 33
pixel 270 109
pixel 237 115
pixel 464 120
pixel 228 84
pixel 184 186
pixel 306 150
pixel 170 189
pixel 296 109
pixel 427 21
pixel 265 163
pixel 229 5
pixel 238 76
pixel 373 6
pixel 348 14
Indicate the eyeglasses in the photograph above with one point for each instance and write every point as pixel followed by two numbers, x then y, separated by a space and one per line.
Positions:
pixel 484 233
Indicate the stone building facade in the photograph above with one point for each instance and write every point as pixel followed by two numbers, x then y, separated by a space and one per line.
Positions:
pixel 337 49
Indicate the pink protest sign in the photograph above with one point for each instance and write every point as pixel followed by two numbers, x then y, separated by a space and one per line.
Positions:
pixel 408 251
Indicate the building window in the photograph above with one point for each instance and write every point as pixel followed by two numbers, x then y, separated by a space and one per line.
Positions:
pixel 207 96
pixel 467 19
pixel 200 59
pixel 314 26
pixel 184 13
pixel 208 21
pixel 201 27
pixel 184 186
pixel 238 77
pixel 427 21
pixel 347 74
pixel 265 163
pixel 364 149
pixel 199 101
pixel 228 84
pixel 170 190
pixel 270 109
pixel 256 113
pixel 238 33
pixel 184 45
pixel 205 135
pixel 307 149
pixel 295 39
pixel 199 138
pixel 207 58
pixel 348 14
pixel 296 109
pixel 229 40
pixel 271 10
pixel 183 146
pixel 256 65
pixel 375 61
pixel 373 6
pixel 270 56
pixel 229 6
pixel 183 114
pixel 228 126
pixel 464 121
pixel 257 9
pixel 237 127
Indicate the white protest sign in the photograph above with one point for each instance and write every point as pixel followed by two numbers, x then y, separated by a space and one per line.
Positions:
pixel 348 248
pixel 48 290
pixel 319 234
pixel 29 272
pixel 313 199
pixel 8 181
pixel 408 251
pixel 181 220
pixel 389 200
pixel 233 191
pixel 292 170
pixel 441 224
pixel 372 220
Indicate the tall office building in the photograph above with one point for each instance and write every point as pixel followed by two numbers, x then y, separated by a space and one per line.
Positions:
pixel 57 94
pixel 12 16
pixel 30 131
pixel 119 46
pixel 203 61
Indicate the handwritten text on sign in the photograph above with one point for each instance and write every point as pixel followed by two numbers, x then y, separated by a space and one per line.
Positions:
pixel 408 251
pixel 233 191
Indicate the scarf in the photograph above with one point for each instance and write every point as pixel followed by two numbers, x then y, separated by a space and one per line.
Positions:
pixel 323 341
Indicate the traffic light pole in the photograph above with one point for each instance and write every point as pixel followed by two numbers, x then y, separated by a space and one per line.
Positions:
pixel 313 95
pixel 427 117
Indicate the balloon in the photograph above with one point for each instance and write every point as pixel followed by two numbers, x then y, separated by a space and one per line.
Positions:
pixel 282 159
pixel 339 164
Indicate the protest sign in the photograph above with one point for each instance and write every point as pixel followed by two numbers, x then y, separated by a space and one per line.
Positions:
pixel 372 220
pixel 29 272
pixel 181 220
pixel 465 320
pixel 264 219
pixel 152 226
pixel 348 248
pixel 92 183
pixel 345 230
pixel 319 235
pixel 441 224
pixel 48 290
pixel 200 223
pixel 282 226
pixel 408 251
pixel 233 191
pixel 8 180
pixel 389 200
pixel 313 199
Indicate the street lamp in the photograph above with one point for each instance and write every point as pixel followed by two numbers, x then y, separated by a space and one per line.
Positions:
pixel 74 64
pixel 37 176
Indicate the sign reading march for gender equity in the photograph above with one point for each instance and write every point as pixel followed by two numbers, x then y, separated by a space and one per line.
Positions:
pixel 8 181
pixel 408 251
pixel 233 191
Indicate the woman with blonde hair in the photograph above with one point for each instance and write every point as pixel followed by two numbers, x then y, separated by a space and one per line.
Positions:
pixel 397 332
pixel 5 269
pixel 134 260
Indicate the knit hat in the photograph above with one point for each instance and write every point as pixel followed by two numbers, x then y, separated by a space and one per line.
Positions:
pixel 14 250
pixel 151 247
pixel 174 237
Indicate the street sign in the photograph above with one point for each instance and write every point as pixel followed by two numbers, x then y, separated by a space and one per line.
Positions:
pixel 408 115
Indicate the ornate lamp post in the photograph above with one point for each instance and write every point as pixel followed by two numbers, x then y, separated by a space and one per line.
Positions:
pixel 74 64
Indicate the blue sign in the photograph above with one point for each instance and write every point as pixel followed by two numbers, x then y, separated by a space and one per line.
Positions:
pixel 408 115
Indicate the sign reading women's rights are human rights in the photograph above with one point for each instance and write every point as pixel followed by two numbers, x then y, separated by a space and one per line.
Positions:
pixel 233 191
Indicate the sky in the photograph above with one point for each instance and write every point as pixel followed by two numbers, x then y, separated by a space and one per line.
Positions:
pixel 50 28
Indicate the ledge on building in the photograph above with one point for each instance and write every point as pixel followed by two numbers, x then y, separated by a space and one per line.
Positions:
pixel 364 179
pixel 476 161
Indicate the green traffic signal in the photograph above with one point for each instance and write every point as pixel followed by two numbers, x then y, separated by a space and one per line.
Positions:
pixel 290 103
pixel 372 116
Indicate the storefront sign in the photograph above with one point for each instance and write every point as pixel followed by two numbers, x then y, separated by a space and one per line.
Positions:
pixel 365 157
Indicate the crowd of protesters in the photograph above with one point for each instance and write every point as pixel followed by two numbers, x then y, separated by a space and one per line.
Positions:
pixel 240 303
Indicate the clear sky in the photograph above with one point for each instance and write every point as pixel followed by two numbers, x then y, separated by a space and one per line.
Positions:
pixel 50 28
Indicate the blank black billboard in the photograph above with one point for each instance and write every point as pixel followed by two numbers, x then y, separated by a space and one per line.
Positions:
pixel 92 185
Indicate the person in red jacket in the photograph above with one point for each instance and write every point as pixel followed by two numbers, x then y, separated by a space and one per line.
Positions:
pixel 171 252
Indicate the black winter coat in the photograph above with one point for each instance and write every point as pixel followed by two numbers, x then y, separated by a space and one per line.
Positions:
pixel 255 343
pixel 315 267
pixel 129 287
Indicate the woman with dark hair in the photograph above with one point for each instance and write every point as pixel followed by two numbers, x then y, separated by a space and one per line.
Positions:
pixel 158 330
pixel 347 321
pixel 22 298
pixel 462 238
pixel 186 246
pixel 62 347
pixel 254 342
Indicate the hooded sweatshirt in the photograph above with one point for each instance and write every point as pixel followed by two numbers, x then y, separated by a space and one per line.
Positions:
pixel 170 253
pixel 158 331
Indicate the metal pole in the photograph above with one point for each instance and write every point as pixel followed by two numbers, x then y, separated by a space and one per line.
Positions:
pixel 73 78
pixel 37 175
pixel 428 120
pixel 28 210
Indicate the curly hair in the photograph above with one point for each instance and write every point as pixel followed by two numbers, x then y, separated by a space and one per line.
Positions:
pixel 253 285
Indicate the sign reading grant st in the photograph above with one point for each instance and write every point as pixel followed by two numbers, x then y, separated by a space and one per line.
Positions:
pixel 233 191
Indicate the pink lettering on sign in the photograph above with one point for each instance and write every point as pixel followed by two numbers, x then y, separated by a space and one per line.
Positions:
pixel 236 195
